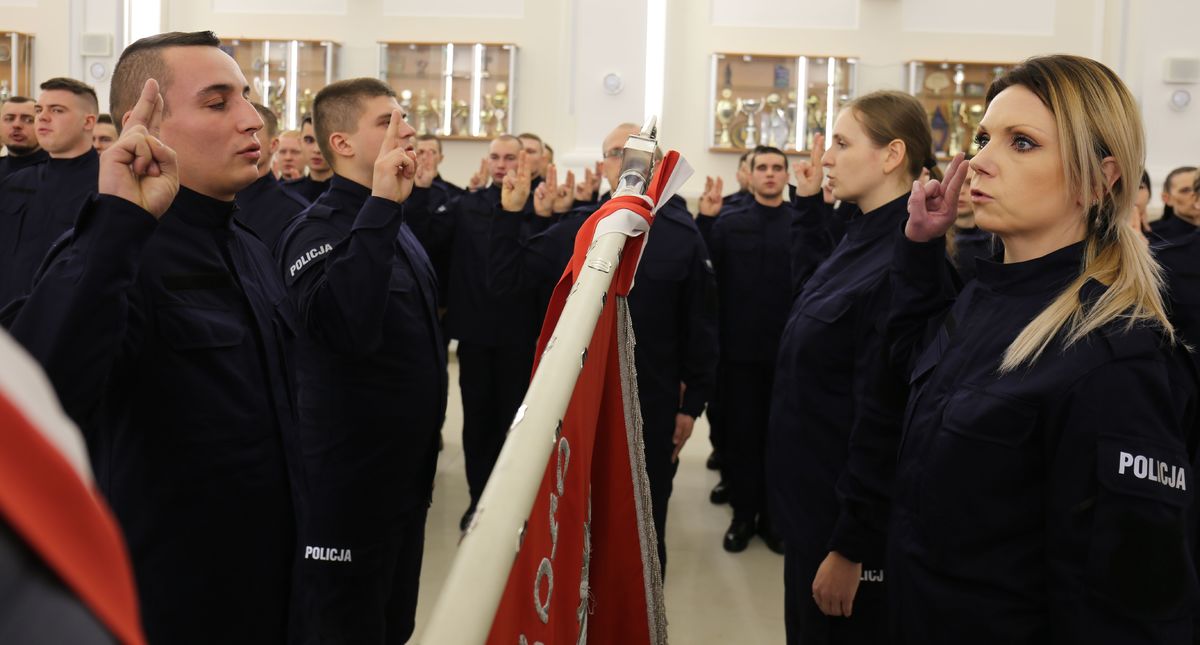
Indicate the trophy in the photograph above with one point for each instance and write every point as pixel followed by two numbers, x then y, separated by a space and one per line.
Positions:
pixel 306 101
pixel 726 111
pixel 751 108
pixel 421 112
pixel 958 111
pixel 5 93
pixel 459 116
pixel 499 107
pixel 815 123
pixel 436 109
pixel 791 118
pixel 775 121
pixel 974 116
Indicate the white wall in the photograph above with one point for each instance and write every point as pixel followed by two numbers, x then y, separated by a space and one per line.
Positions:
pixel 566 47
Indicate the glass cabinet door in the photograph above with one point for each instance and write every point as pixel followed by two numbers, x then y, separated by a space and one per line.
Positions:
pixel 953 94
pixel 16 65
pixel 455 90
pixel 780 101
pixel 284 75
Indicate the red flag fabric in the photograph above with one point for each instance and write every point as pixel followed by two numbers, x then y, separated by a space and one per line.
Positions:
pixel 588 570
pixel 55 511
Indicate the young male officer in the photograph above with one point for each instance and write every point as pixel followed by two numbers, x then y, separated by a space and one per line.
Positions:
pixel 372 375
pixel 39 204
pixel 163 325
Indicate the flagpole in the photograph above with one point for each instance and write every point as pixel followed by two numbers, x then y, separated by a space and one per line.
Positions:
pixel 472 591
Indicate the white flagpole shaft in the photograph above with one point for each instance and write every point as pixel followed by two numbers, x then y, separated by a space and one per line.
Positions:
pixel 467 605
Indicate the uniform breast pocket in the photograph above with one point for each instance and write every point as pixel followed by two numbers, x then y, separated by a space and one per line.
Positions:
pixel 663 271
pixel 187 328
pixel 827 308
pixel 982 478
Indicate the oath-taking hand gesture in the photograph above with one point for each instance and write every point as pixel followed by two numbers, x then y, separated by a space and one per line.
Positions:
pixel 480 179
pixel 514 192
pixel 932 208
pixel 711 199
pixel 139 167
pixel 426 172
pixel 395 166
pixel 552 197
pixel 586 190
pixel 809 174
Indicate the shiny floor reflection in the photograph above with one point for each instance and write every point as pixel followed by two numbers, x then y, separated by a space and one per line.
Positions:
pixel 713 597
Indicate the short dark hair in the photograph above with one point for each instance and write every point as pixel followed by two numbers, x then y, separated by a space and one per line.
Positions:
pixel 270 122
pixel 307 120
pixel 745 156
pixel 530 135
pixel 1145 181
pixel 105 118
pixel 1174 173
pixel 18 100
pixel 143 60
pixel 78 88
pixel 431 137
pixel 338 106
pixel 767 150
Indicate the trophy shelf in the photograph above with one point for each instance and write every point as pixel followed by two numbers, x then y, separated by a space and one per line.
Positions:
pixel 16 65
pixel 953 94
pixel 778 100
pixel 457 91
pixel 285 75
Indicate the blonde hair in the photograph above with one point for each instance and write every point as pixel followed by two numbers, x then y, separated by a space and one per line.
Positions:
pixel 1096 118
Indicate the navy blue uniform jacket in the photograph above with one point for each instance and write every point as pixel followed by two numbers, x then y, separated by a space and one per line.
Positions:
pixel 459 230
pixel 307 187
pixel 828 381
pixel 37 205
pixel 168 344
pixel 672 302
pixel 267 207
pixel 10 163
pixel 762 256
pixel 1048 504
pixel 372 372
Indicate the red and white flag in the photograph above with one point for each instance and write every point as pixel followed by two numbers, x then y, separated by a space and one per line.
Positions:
pixel 588 569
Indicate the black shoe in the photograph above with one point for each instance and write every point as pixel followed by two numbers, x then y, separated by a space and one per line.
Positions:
pixel 720 493
pixel 466 518
pixel 768 535
pixel 714 461
pixel 738 536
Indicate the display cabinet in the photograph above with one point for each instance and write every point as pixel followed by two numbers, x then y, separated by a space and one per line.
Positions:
pixel 954 95
pixel 453 90
pixel 16 64
pixel 285 75
pixel 781 101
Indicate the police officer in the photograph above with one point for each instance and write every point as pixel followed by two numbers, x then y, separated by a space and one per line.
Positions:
pixel 311 185
pixel 429 145
pixel 1042 485
pixel 763 251
pixel 372 376
pixel 835 407
pixel 496 336
pixel 18 135
pixel 104 134
pixel 40 203
pixel 1179 205
pixel 266 206
pixel 164 331
pixel 673 310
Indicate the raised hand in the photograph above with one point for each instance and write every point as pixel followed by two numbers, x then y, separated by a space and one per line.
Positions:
pixel 933 207
pixel 711 199
pixel 564 196
pixel 139 167
pixel 395 167
pixel 809 174
pixel 546 193
pixel 426 172
pixel 514 192
pixel 586 189
pixel 480 178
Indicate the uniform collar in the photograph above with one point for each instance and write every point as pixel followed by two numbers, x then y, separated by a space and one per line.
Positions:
pixel 1049 273
pixel 260 186
pixel 82 161
pixel 349 189
pixel 879 222
pixel 201 210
